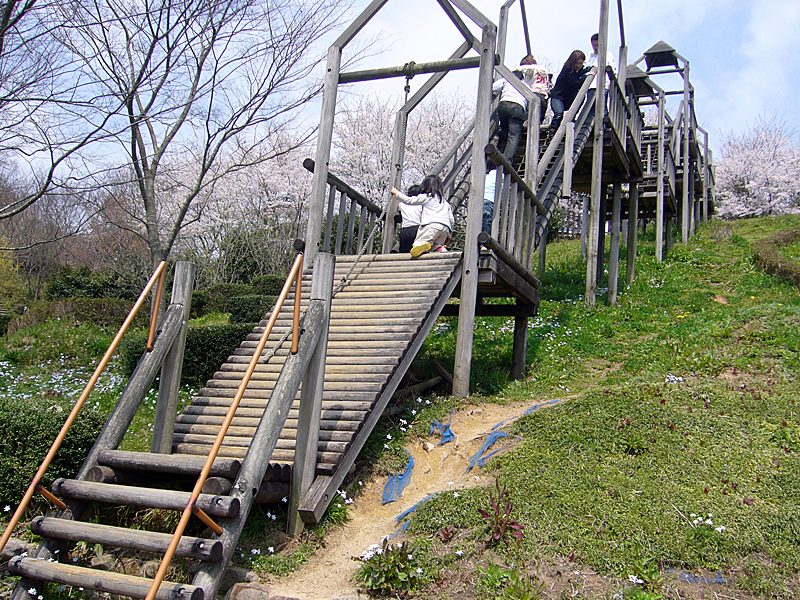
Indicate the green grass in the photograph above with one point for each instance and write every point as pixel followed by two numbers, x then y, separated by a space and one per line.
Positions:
pixel 685 404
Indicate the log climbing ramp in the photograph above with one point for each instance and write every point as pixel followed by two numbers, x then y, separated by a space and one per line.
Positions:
pixel 287 414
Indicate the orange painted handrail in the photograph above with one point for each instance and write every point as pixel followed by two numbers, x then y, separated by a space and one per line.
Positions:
pixel 36 483
pixel 296 272
pixel 154 312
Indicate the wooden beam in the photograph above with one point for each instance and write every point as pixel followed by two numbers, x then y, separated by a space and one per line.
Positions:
pixel 308 420
pixel 456 64
pixel 597 187
pixel 469 278
pixel 633 230
pixel 613 260
pixel 170 382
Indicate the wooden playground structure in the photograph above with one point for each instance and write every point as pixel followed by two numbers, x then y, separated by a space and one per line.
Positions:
pixel 278 421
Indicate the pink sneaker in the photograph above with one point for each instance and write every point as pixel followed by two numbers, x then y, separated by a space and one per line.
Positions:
pixel 441 249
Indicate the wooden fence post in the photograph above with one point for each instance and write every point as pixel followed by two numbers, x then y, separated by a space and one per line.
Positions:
pixel 170 383
pixel 305 452
pixel 633 210
pixel 613 258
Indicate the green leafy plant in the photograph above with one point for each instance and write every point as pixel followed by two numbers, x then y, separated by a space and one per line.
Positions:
pixel 389 569
pixel 500 583
pixel 499 518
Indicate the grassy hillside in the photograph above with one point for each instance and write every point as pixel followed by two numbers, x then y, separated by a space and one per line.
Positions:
pixel 674 455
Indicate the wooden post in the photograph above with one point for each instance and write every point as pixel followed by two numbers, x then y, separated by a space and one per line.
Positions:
pixel 660 180
pixel 519 360
pixel 542 253
pixel 584 225
pixel 706 174
pixel 600 247
pixel 613 259
pixel 319 181
pixel 686 161
pixel 469 278
pixel 532 147
pixel 597 188
pixel 170 383
pixel 633 210
pixel 668 234
pixel 569 144
pixel 305 453
pixel 398 153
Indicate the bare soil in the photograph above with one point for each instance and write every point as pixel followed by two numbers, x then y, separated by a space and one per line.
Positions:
pixel 329 573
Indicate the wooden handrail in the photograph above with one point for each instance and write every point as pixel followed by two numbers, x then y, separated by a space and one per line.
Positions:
pixel 36 483
pixel 295 272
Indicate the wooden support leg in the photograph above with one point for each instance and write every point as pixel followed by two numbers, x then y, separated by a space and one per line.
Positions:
pixel 601 240
pixel 519 361
pixel 308 420
pixel 542 254
pixel 633 209
pixel 613 259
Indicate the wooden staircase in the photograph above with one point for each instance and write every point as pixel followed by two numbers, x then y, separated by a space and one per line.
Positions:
pixel 380 317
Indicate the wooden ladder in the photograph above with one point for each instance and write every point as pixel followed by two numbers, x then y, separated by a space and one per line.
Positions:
pixel 379 320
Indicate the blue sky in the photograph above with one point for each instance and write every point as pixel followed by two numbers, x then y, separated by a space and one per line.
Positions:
pixel 742 60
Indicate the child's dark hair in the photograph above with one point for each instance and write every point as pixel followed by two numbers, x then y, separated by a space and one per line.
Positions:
pixel 432 186
pixel 415 190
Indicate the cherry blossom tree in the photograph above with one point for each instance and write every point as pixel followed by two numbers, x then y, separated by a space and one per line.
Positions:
pixel 758 171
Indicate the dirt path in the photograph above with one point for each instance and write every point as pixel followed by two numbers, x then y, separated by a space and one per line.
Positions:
pixel 328 574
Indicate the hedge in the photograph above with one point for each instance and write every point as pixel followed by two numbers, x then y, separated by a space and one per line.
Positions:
pixel 206 349
pixel 103 312
pixel 250 309
pixel 268 285
pixel 83 282
pixel 767 258
pixel 28 428
pixel 218 296
pixel 5 318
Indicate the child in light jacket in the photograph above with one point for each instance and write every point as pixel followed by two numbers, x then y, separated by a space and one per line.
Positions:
pixel 436 223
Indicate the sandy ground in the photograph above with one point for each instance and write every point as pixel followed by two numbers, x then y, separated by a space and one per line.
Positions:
pixel 328 574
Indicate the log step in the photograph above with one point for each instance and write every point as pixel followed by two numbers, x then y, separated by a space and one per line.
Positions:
pixel 102 581
pixel 120 537
pixel 216 506
pixel 167 463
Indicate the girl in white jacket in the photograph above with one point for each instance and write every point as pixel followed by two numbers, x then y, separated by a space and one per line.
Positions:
pixel 436 223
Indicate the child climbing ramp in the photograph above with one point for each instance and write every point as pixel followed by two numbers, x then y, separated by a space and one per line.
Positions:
pixel 436 222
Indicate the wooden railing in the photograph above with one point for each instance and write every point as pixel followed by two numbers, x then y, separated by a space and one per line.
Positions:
pixel 295 275
pixel 617 108
pixel 35 485
pixel 353 207
pixel 635 123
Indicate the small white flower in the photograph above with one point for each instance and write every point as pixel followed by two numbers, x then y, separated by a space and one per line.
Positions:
pixel 379 551
pixel 32 591
pixel 386 446
pixel 271 550
pixel 414 411
pixel 273 517
pixel 419 570
pixel 634 579
pixel 348 501
pixel 720 529
pixel 456 495
pixel 388 436
pixel 449 483
pixel 284 500
pixel 6 508
pixel 410 557
pixel 709 522
pixel 360 483
pixel 255 551
pixel 459 552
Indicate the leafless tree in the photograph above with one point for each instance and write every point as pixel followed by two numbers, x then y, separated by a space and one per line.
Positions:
pixel 205 86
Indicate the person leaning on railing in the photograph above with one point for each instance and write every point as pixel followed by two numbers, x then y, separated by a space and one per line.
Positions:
pixel 567 86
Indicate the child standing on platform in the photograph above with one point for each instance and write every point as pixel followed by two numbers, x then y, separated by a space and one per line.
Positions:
pixel 436 223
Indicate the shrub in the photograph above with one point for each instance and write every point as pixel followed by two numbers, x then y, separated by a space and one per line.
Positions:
pixel 199 304
pixel 218 296
pixel 268 285
pixel 103 312
pixel 206 349
pixel 250 309
pixel 5 318
pixel 29 427
pixel 767 258
pixel 83 282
